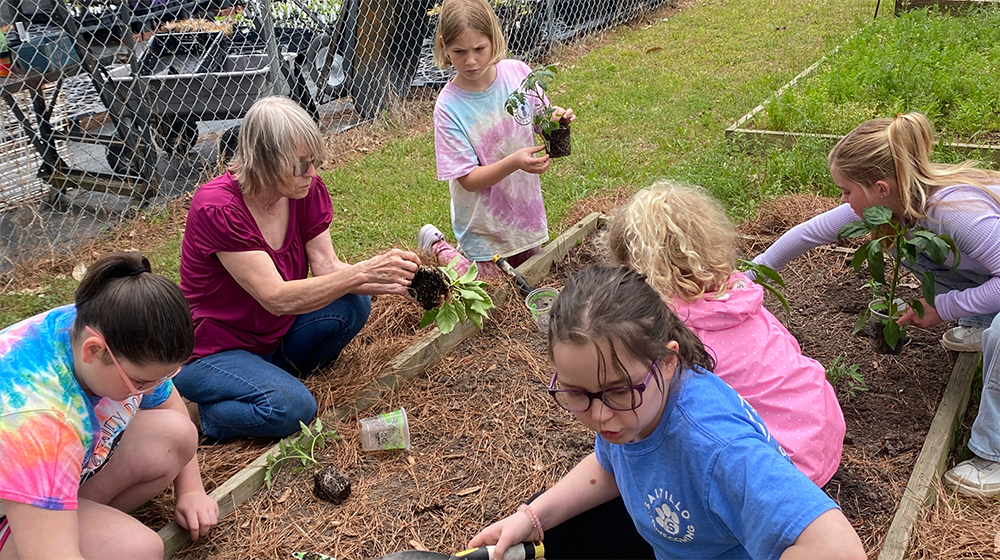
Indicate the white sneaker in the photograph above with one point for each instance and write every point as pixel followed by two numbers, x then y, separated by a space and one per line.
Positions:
pixel 963 339
pixel 975 477
pixel 428 236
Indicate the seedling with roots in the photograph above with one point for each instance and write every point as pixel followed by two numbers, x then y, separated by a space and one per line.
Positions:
pixel 466 299
pixel 302 450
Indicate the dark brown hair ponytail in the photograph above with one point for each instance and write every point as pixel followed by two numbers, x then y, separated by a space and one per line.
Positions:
pixel 142 316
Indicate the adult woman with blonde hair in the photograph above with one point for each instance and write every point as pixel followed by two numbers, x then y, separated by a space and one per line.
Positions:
pixel 253 236
pixel 886 162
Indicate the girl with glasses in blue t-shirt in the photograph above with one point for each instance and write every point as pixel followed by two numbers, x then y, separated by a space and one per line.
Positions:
pixel 698 472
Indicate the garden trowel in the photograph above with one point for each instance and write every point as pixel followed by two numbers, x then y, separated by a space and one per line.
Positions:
pixel 522 284
pixel 523 551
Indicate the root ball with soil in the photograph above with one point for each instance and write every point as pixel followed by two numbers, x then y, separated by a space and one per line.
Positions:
pixel 429 287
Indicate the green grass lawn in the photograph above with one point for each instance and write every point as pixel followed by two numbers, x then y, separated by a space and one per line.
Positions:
pixel 652 102
pixel 939 64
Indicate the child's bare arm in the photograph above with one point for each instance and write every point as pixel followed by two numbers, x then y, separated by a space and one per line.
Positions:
pixel 486 176
pixel 829 536
pixel 587 486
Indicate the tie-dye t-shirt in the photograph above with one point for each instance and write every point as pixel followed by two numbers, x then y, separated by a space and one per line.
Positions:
pixel 53 436
pixel 472 129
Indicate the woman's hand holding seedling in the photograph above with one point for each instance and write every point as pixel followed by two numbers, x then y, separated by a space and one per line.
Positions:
pixel 930 318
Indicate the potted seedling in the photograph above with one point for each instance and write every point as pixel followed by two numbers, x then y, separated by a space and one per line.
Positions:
pixel 328 483
pixel 532 93
pixel 899 243
pixel 449 298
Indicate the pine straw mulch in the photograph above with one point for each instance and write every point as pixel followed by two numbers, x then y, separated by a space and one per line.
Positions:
pixel 484 437
pixel 954 527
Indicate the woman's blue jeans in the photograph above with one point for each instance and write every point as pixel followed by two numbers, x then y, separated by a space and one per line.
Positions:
pixel 985 439
pixel 242 394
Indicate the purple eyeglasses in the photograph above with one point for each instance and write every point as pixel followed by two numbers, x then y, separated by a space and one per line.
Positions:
pixel 622 398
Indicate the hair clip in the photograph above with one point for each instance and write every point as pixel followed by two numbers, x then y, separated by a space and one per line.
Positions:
pixel 136 271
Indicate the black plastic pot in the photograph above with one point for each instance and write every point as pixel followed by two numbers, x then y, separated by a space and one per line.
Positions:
pixel 558 141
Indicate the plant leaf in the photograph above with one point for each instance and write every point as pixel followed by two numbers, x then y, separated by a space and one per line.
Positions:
pixel 877 215
pixel 892 333
pixel 860 323
pixel 468 294
pixel 928 287
pixel 428 318
pixel 917 306
pixel 447 318
pixel 876 262
pixel 852 230
pixel 860 256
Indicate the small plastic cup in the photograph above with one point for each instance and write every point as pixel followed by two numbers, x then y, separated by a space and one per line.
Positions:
pixel 390 430
pixel 539 302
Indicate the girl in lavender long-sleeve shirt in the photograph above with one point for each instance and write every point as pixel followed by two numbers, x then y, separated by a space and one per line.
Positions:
pixel 886 162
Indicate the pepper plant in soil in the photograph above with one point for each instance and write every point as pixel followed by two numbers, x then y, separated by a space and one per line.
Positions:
pixel 900 243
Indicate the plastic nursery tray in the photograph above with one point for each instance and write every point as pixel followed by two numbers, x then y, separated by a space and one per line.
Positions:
pixel 196 52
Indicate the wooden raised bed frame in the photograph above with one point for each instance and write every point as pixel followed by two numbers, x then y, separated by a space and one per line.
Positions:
pixel 410 362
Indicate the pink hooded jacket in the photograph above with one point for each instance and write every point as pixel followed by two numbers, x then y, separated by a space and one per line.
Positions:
pixel 757 356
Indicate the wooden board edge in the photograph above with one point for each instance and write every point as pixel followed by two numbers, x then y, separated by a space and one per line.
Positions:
pixel 408 363
pixel 933 457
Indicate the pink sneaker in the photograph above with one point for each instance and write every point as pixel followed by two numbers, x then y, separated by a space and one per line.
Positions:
pixel 428 236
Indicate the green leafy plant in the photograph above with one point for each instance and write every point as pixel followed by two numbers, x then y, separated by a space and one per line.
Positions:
pixel 302 449
pixel 765 275
pixel 838 369
pixel 534 86
pixel 898 242
pixel 466 300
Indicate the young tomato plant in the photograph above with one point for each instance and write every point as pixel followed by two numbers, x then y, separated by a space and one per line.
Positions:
pixel 519 103
pixel 898 243
pixel 303 450
pixel 466 300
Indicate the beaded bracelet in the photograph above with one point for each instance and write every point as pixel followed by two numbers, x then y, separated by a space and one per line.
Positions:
pixel 534 519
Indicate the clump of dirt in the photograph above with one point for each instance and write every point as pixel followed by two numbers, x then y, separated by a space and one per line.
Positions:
pixel 429 287
pixel 330 485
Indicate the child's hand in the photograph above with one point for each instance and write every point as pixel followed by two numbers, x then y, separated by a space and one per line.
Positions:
pixel 563 115
pixel 197 512
pixel 513 529
pixel 526 160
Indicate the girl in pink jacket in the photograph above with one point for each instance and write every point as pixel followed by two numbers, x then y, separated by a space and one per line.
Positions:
pixel 681 239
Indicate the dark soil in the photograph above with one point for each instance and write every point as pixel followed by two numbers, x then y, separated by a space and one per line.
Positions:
pixel 887 423
pixel 558 141
pixel 429 287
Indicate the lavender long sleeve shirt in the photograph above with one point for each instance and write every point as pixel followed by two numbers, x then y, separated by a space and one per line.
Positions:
pixel 967 214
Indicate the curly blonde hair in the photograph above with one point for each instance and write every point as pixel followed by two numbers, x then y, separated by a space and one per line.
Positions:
pixel 678 236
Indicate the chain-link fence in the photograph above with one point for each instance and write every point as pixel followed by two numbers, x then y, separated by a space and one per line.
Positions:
pixel 109 106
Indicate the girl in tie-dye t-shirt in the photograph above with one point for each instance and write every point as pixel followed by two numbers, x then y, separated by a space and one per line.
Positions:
pixel 490 161
pixel 66 399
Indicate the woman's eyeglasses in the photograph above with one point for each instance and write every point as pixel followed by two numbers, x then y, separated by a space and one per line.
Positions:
pixel 301 168
pixel 623 398
pixel 133 390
